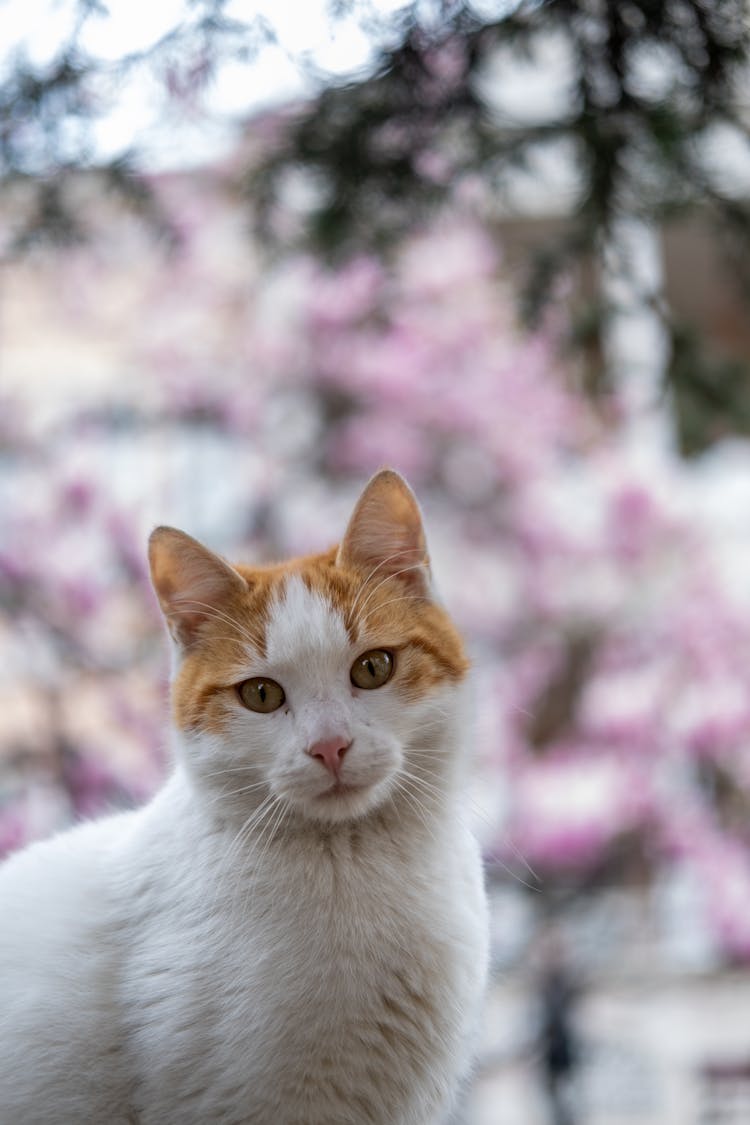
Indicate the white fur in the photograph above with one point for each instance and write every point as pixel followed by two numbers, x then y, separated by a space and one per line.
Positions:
pixel 321 964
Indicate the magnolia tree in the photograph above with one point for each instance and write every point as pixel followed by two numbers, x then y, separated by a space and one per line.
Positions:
pixel 247 404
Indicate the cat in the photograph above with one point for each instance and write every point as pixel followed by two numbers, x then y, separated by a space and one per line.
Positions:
pixel 294 930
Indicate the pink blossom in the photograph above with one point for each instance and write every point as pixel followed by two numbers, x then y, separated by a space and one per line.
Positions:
pixel 634 521
pixel 570 807
pixel 346 296
pixel 12 830
pixel 302 380
pixel 78 497
pixel 366 443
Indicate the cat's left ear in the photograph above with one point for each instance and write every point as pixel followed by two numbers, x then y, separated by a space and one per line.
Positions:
pixel 193 584
pixel 385 536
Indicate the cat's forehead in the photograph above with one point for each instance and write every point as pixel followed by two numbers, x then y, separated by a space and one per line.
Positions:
pixel 303 620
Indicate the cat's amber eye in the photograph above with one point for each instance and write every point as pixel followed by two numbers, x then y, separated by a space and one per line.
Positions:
pixel 260 694
pixel 372 669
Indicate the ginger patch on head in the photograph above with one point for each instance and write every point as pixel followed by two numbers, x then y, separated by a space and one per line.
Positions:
pixel 215 661
pixel 373 592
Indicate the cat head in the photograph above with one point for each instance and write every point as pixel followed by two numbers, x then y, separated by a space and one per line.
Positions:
pixel 322 682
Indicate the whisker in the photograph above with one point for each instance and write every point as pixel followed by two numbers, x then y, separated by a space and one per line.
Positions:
pixel 260 825
pixel 391 601
pixel 412 800
pixel 519 855
pixel 270 835
pixel 427 786
pixel 258 828
pixel 388 578
pixel 521 711
pixel 230 769
pixel 218 615
pixel 241 642
pixel 518 878
pixel 226 793
pixel 375 569
pixel 244 831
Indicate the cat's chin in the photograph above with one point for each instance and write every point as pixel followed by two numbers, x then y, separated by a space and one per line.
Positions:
pixel 342 802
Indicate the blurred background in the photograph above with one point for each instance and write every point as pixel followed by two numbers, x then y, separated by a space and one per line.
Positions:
pixel 251 252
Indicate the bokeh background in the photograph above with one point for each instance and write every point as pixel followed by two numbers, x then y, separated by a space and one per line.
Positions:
pixel 253 252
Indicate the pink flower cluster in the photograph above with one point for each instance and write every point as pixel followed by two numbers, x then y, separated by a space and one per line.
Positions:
pixel 612 659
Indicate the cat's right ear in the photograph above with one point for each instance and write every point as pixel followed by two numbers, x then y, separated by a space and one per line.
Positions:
pixel 385 534
pixel 191 582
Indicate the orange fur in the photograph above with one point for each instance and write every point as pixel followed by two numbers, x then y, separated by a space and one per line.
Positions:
pixel 428 649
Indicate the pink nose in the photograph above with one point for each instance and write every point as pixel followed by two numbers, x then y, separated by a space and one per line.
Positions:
pixel 330 751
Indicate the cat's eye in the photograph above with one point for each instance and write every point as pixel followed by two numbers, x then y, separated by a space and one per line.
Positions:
pixel 260 694
pixel 372 669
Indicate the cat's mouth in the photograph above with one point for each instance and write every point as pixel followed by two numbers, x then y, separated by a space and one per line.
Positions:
pixel 343 800
pixel 339 798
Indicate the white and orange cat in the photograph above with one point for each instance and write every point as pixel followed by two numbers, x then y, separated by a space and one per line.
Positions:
pixel 294 930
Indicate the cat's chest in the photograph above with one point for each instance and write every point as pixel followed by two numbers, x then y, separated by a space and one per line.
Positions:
pixel 336 924
pixel 325 977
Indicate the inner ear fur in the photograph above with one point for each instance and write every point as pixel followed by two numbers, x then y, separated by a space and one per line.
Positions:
pixel 191 582
pixel 385 533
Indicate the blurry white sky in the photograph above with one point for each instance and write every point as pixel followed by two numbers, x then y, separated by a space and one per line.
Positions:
pixel 303 30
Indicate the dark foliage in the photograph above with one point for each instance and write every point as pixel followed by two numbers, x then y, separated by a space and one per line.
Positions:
pixel 383 153
pixel 49 114
pixel 377 156
pixel 370 145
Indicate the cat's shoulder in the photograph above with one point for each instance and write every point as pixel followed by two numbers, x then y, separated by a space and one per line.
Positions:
pixel 69 843
pixel 52 877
